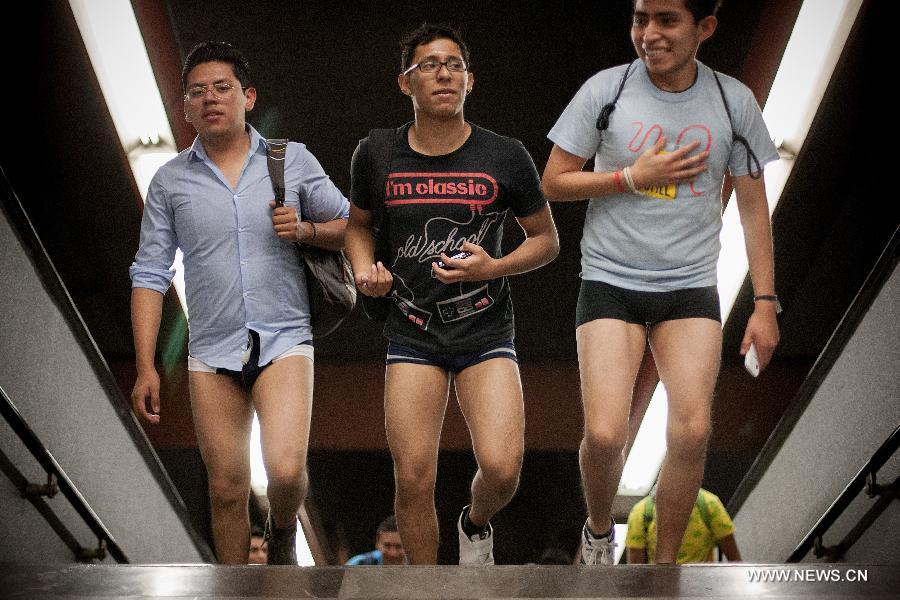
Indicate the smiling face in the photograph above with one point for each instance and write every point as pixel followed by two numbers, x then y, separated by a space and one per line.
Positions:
pixel 666 37
pixel 391 548
pixel 441 94
pixel 215 114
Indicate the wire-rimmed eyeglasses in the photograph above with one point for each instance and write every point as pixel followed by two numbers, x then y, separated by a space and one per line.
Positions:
pixel 221 90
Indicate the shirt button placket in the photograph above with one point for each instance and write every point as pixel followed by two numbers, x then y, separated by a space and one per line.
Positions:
pixel 241 247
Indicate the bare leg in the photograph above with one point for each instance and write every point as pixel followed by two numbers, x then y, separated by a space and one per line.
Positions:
pixel 415 399
pixel 609 354
pixel 644 386
pixel 490 397
pixel 283 399
pixel 687 354
pixel 222 418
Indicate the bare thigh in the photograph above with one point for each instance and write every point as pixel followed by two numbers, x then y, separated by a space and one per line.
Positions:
pixel 687 353
pixel 490 397
pixel 415 399
pixel 283 399
pixel 222 417
pixel 609 354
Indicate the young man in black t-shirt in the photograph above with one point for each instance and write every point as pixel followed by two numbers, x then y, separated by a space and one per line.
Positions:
pixel 449 187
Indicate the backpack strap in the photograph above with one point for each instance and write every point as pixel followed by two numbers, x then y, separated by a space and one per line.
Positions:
pixel 752 160
pixel 381 150
pixel 276 149
pixel 275 153
pixel 380 147
pixel 608 108
pixel 648 514
pixel 703 508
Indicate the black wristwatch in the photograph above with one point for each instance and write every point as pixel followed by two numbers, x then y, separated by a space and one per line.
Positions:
pixel 770 298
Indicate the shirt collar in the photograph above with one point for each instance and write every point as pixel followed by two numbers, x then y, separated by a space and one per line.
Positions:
pixel 257 144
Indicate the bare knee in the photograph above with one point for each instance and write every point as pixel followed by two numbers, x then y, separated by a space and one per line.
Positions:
pixel 502 473
pixel 229 490
pixel 415 480
pixel 288 476
pixel 688 437
pixel 604 439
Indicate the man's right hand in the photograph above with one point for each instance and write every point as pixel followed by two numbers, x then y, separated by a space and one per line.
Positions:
pixel 377 281
pixel 145 396
pixel 655 167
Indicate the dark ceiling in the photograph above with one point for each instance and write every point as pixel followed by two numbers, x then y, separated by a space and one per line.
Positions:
pixel 325 76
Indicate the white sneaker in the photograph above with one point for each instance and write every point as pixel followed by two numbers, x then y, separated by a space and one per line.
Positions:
pixel 477 550
pixel 598 551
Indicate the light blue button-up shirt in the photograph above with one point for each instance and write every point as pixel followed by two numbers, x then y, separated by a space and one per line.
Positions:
pixel 238 274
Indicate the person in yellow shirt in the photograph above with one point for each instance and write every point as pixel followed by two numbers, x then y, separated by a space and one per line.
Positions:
pixel 709 526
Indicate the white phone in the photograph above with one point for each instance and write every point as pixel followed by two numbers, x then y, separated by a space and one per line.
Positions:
pixel 751 361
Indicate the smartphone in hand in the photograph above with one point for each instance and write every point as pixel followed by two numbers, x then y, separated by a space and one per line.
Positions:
pixel 751 361
pixel 457 256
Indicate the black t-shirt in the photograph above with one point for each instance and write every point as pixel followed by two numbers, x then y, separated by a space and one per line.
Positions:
pixel 433 204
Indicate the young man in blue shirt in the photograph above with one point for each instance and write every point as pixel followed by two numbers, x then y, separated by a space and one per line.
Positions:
pixel 388 547
pixel 250 339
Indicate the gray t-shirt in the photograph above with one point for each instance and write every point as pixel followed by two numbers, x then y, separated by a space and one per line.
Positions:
pixel 668 238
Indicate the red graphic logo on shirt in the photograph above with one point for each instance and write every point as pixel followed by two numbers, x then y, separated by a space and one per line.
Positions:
pixel 697 132
pixel 475 189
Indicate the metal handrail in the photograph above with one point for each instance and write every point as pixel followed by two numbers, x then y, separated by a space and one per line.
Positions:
pixel 865 477
pixel 22 226
pixel 858 308
pixel 48 463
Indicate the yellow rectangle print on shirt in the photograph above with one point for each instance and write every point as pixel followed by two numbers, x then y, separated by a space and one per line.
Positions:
pixel 663 192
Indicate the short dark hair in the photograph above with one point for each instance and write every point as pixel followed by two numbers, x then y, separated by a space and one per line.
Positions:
pixel 205 52
pixel 389 524
pixel 699 8
pixel 426 33
pixel 703 8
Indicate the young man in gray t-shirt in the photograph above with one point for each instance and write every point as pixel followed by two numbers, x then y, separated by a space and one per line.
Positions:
pixel 650 248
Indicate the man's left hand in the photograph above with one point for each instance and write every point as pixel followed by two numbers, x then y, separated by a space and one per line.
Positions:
pixel 762 331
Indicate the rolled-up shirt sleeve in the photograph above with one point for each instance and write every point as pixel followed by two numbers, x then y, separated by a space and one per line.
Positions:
pixel 320 199
pixel 152 267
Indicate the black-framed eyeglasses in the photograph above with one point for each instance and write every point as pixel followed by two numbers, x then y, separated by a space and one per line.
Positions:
pixel 221 90
pixel 433 65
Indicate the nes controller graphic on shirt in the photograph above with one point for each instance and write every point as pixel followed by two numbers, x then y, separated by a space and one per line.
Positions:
pixel 415 315
pixel 465 305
